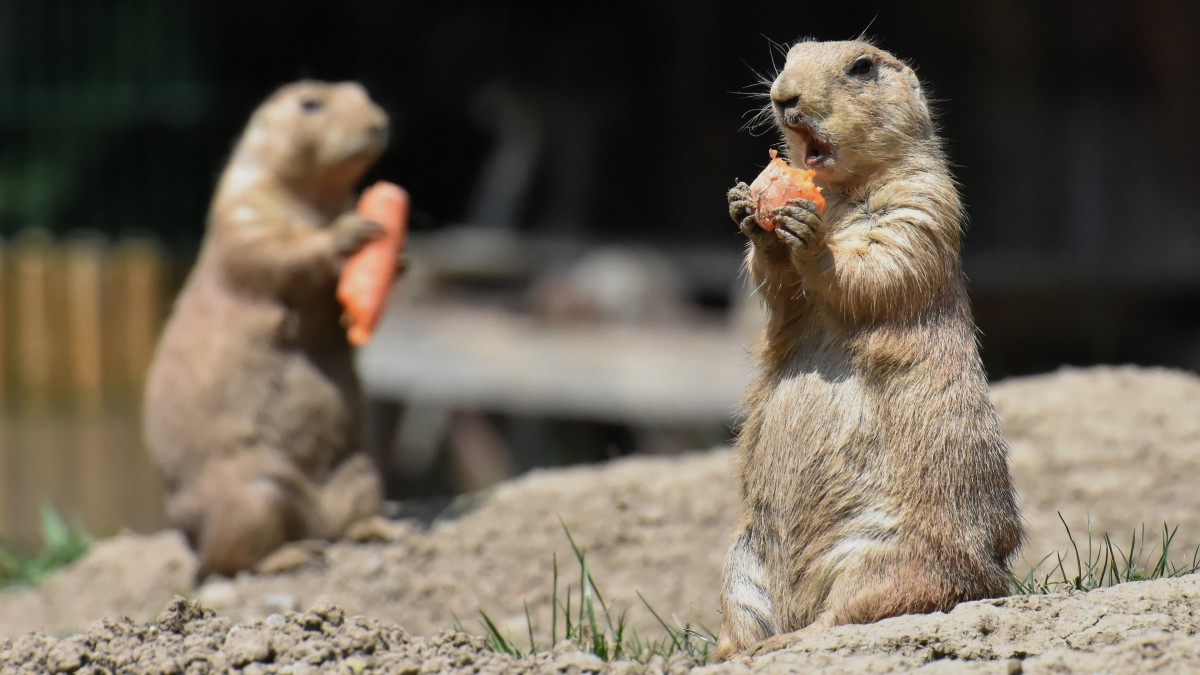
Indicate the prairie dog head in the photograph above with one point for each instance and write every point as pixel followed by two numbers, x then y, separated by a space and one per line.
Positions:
pixel 309 129
pixel 847 109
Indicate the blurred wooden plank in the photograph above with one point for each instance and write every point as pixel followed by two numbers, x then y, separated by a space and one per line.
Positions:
pixel 91 497
pixel 5 313
pixel 141 287
pixel 78 326
pixel 134 312
pixel 34 347
pixel 139 277
pixel 85 294
pixel 5 436
pixel 492 360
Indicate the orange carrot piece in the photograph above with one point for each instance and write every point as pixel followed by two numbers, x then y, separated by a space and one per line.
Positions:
pixel 368 274
pixel 778 183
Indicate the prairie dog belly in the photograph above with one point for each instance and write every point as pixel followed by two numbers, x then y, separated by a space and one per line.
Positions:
pixel 322 426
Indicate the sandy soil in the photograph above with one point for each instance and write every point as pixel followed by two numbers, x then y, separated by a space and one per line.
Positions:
pixel 1120 446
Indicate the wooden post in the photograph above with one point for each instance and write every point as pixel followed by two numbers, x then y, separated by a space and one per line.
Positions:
pixel 41 473
pixel 6 438
pixel 4 300
pixel 84 263
pixel 97 480
pixel 33 340
pixel 141 278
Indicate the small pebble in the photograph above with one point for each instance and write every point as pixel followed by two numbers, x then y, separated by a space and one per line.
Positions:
pixel 218 594
pixel 281 602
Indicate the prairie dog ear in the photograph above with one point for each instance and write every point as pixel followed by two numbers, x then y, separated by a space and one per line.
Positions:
pixel 914 84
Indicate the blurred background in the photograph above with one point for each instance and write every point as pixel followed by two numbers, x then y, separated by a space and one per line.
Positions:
pixel 574 291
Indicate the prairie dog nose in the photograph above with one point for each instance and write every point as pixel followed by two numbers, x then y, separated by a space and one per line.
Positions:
pixel 782 106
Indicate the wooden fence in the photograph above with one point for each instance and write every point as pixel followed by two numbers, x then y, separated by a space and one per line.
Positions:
pixel 79 318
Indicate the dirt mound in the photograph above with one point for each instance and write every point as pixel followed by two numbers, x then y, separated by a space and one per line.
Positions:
pixel 1139 627
pixel 655 524
pixel 1120 444
pixel 128 575
pixel 189 638
pixel 1131 628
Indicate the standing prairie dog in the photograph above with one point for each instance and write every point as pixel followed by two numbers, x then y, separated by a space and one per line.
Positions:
pixel 253 409
pixel 874 477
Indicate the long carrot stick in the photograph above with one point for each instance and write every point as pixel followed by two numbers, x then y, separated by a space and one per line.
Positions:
pixel 368 274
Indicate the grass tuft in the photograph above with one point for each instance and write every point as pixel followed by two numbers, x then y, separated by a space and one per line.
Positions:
pixel 591 626
pixel 61 546
pixel 1104 564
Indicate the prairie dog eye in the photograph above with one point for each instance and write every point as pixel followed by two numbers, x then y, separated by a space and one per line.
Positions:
pixel 311 105
pixel 863 68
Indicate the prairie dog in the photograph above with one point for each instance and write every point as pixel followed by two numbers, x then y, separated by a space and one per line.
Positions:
pixel 874 476
pixel 253 410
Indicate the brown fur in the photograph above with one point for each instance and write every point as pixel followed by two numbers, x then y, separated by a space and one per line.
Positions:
pixel 874 475
pixel 253 408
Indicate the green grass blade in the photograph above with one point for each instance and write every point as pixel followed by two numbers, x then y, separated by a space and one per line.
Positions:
pixel 670 633
pixel 554 605
pixel 587 605
pixel 529 625
pixel 496 641
pixel 569 635
pixel 1078 560
pixel 598 642
pixel 1160 566
pixel 579 555
pixel 596 630
pixel 55 534
pixel 1106 563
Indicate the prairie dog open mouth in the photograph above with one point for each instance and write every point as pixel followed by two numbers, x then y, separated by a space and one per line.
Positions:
pixel 813 150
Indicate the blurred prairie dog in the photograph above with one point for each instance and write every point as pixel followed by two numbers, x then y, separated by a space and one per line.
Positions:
pixel 874 476
pixel 253 409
